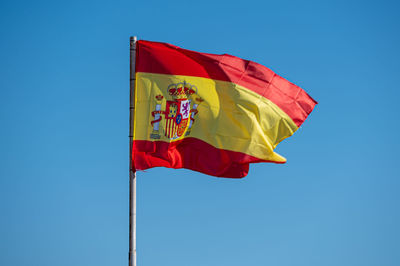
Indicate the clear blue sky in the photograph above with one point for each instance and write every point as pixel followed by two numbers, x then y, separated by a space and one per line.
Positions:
pixel 64 89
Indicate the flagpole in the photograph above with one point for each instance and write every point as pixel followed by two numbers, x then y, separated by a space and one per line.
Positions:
pixel 132 171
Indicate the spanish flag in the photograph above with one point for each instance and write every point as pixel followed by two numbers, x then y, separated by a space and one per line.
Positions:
pixel 210 113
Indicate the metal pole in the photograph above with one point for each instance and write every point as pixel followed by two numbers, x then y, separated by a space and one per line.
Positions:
pixel 132 171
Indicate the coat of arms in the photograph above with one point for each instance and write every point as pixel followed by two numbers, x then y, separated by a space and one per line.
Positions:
pixel 179 112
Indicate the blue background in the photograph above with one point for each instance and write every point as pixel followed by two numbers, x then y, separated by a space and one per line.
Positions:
pixel 64 87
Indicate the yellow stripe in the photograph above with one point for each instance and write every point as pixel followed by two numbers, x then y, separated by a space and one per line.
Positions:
pixel 231 117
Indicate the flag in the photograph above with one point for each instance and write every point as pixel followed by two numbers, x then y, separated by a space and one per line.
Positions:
pixel 210 113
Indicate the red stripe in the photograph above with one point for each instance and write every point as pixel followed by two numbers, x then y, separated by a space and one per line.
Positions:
pixel 191 153
pixel 168 127
pixel 163 58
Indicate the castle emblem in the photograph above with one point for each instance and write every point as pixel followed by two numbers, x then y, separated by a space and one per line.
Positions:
pixel 179 114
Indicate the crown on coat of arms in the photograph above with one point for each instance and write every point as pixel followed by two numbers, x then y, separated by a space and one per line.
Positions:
pixel 181 90
pixel 159 97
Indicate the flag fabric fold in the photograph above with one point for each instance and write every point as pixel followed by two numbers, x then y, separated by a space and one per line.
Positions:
pixel 214 114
